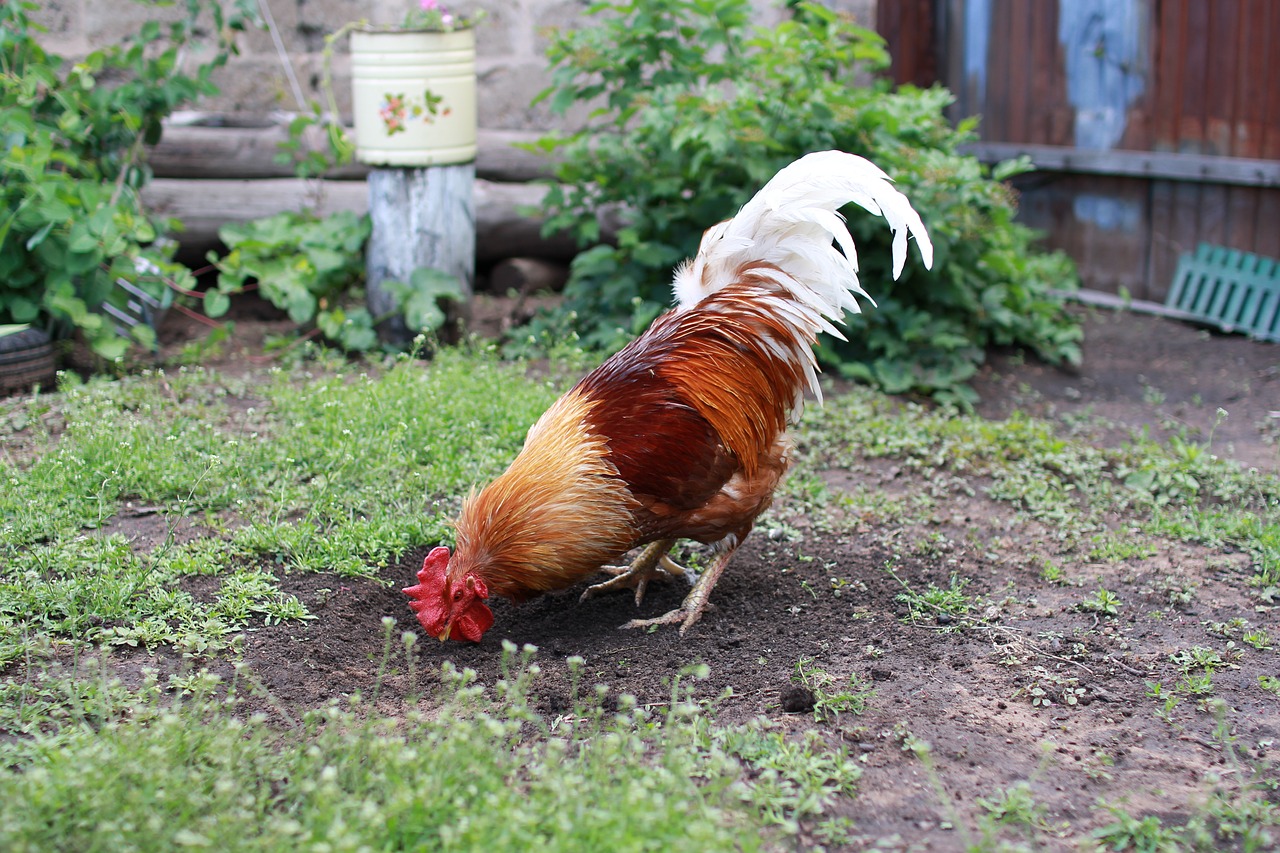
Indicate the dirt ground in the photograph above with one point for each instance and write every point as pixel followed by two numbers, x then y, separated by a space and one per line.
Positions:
pixel 968 693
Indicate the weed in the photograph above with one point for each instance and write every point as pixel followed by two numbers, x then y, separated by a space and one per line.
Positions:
pixel 1111 547
pixel 1103 602
pixel 193 770
pixel 1048 688
pixel 1197 684
pixel 1226 630
pixel 831 698
pixel 1200 658
pixel 1096 767
pixel 949 607
pixel 1178 592
pixel 1127 832
pixel 1015 806
pixel 1269 683
pixel 836 831
pixel 328 473
pixel 1259 639
pixel 1051 572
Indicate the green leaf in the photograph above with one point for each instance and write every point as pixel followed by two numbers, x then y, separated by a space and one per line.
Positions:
pixel 81 240
pixel 216 303
pixel 39 237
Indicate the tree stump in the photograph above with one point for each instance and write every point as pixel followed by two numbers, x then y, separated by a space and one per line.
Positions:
pixel 422 217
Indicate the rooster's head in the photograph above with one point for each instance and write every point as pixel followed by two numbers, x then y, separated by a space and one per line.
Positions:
pixel 446 606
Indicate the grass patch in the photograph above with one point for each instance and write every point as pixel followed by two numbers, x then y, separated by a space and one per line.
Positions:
pixel 332 471
pixel 179 766
pixel 1092 499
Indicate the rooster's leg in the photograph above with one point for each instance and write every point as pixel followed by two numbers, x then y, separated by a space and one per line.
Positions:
pixel 691 609
pixel 653 562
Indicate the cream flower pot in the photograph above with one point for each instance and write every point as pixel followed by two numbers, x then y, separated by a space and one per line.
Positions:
pixel 414 97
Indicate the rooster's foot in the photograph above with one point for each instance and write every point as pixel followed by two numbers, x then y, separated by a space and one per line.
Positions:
pixel 684 614
pixel 653 562
pixel 695 603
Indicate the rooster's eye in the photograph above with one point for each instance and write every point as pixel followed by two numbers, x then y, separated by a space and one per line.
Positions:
pixel 457 595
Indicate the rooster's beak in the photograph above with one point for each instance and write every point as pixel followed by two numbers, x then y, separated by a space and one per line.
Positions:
pixel 444 635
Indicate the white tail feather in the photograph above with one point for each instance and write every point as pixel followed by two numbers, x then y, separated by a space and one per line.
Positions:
pixel 791 224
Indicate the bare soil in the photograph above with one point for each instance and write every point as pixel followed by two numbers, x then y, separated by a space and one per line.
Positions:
pixel 967 692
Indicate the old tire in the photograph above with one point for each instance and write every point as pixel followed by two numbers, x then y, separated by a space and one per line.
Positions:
pixel 26 359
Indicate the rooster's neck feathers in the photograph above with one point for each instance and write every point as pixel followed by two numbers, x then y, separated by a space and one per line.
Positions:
pixel 786 233
pixel 523 533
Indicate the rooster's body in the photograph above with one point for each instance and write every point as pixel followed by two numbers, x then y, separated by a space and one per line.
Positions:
pixel 683 433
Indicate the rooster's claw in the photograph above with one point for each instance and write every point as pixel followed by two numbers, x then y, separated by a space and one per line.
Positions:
pixel 653 562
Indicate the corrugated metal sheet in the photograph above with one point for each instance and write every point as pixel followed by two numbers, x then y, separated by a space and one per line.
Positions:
pixel 1195 77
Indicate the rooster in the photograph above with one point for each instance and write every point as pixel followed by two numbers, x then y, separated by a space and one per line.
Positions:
pixel 683 433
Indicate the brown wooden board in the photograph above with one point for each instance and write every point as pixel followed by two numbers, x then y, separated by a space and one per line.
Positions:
pixel 1210 75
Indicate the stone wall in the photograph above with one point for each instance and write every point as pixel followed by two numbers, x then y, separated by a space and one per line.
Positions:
pixel 510 49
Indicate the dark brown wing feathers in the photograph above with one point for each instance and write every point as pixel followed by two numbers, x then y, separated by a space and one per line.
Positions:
pixel 700 395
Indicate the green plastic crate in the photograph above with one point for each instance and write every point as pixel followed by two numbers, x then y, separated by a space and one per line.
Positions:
pixel 1233 290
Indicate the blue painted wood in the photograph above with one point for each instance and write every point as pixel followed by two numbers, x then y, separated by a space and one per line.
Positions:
pixel 1233 290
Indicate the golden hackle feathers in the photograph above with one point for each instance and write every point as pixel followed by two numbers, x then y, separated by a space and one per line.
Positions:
pixel 532 518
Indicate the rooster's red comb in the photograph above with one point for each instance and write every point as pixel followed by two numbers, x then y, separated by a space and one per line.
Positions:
pixel 431 591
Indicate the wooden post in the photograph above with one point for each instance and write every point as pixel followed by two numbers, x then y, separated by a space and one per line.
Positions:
pixel 422 217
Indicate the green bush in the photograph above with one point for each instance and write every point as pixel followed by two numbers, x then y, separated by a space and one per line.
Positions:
pixel 72 164
pixel 303 264
pixel 312 266
pixel 694 109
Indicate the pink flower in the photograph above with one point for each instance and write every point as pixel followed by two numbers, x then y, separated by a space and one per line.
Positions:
pixel 429 5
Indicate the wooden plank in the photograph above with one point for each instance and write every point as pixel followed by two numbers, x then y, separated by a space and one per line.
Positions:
pixel 1102 299
pixel 908 28
pixel 201 151
pixel 1266 235
pixel 1017 54
pixel 1195 63
pixel 929 46
pixel 1168 40
pixel 889 26
pixel 1111 218
pixel 1045 65
pixel 1241 216
pixel 1138 132
pixel 1161 258
pixel 1150 164
pixel 1102 223
pixel 1182 226
pixel 968 102
pixel 1271 73
pixel 1212 214
pixel 1251 84
pixel 995 100
pixel 504 228
pixel 909 46
pixel 1219 76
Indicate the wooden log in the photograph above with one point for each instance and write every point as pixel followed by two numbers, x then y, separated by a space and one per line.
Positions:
pixel 220 153
pixel 422 217
pixel 507 224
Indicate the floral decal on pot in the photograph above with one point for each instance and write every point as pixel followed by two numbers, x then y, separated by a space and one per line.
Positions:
pixel 397 110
